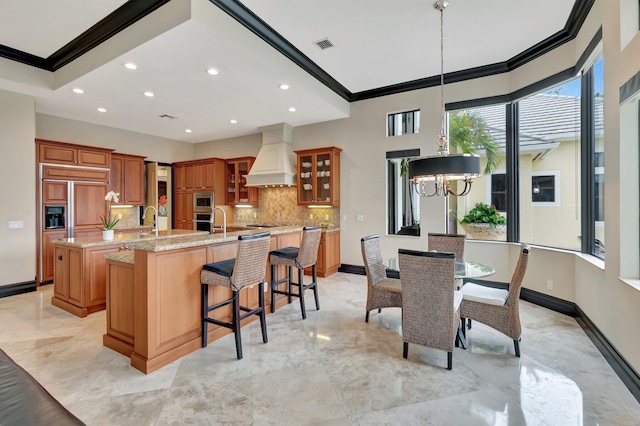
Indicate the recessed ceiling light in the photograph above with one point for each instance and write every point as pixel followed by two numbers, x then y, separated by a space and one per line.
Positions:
pixel 292 109
pixel 284 86
pixel 148 94
pixel 212 71
pixel 102 109
pixel 233 121
pixel 131 66
pixel 78 90
pixel 187 130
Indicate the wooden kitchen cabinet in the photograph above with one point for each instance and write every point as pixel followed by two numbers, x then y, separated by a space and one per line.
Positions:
pixel 89 204
pixel 318 176
pixel 54 192
pixel 127 178
pixel 73 155
pixel 183 210
pixel 236 191
pixel 48 252
pixel 79 285
pixel 328 260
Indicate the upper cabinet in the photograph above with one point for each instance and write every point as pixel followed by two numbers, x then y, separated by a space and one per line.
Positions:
pixel 127 178
pixel 73 155
pixel 319 176
pixel 206 175
pixel 236 190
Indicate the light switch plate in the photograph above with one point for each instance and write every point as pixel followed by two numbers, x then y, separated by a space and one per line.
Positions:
pixel 16 224
pixel 359 218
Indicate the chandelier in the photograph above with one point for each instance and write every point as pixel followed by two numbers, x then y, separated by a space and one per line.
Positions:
pixel 443 168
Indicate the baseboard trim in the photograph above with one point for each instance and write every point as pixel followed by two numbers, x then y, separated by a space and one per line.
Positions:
pixel 17 288
pixel 625 372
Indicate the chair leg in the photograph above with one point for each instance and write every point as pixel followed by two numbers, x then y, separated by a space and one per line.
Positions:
pixel 449 360
pixel 263 316
pixel 405 350
pixel 469 324
pixel 379 310
pixel 366 317
pixel 463 327
pixel 273 295
pixel 301 291
pixel 236 323
pixel 516 344
pixel 315 286
pixel 289 299
pixel 205 313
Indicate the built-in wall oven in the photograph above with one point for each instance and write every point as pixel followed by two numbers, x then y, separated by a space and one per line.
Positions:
pixel 202 222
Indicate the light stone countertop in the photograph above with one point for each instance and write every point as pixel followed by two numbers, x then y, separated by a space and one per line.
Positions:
pixel 125 256
pixel 127 238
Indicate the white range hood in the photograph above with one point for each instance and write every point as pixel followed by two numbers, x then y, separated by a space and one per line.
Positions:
pixel 275 164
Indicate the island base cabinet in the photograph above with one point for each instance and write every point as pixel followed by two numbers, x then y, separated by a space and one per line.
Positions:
pixel 120 331
pixel 328 260
pixel 80 280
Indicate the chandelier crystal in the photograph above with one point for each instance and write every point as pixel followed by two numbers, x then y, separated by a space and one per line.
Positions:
pixel 444 168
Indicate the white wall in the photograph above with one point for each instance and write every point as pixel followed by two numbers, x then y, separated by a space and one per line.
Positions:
pixel 17 246
pixel 123 141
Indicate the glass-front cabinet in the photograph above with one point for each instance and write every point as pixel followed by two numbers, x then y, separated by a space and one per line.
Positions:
pixel 319 176
pixel 235 176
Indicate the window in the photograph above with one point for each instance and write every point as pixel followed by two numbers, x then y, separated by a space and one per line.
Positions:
pixel 499 191
pixel 596 148
pixel 545 189
pixel 403 123
pixel 403 203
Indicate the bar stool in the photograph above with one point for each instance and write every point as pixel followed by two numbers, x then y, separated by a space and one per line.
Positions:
pixel 246 270
pixel 299 258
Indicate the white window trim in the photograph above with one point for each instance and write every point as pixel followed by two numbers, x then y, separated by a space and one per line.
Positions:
pixel 557 189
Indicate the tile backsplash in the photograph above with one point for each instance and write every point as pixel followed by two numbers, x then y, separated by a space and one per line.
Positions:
pixel 130 216
pixel 280 205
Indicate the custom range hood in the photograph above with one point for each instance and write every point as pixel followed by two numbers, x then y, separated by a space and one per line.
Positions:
pixel 275 163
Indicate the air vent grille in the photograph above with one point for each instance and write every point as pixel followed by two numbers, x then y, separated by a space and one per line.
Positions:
pixel 323 44
pixel 168 117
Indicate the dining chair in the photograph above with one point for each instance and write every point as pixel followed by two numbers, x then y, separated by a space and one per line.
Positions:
pixel 382 292
pixel 430 301
pixel 248 269
pixel 497 308
pixel 448 243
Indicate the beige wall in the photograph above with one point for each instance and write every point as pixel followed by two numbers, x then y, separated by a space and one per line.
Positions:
pixel 611 302
pixel 17 246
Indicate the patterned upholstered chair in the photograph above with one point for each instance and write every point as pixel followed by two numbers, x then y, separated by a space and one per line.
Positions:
pixel 448 243
pixel 498 308
pixel 293 257
pixel 382 292
pixel 430 302
pixel 246 270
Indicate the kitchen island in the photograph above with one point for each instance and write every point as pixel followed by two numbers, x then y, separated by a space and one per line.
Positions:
pixel 80 267
pixel 154 290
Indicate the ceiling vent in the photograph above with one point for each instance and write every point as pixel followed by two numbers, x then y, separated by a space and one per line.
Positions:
pixel 323 44
pixel 168 117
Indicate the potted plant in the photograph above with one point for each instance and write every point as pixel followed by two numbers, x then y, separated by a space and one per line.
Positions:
pixel 107 223
pixel 484 222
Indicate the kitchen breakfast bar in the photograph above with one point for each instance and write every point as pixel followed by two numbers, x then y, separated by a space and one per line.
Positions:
pixel 153 294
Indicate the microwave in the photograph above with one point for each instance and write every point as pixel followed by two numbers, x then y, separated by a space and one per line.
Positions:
pixel 203 201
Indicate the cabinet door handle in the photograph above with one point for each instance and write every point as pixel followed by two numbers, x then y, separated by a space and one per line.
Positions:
pixel 60 257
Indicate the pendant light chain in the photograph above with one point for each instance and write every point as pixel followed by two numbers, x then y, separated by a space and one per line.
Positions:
pixel 442 67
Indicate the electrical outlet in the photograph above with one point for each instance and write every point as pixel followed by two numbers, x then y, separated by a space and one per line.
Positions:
pixel 119 216
pixel 326 217
pixel 359 218
pixel 549 284
pixel 255 215
pixel 16 224
pixel 344 217
pixel 310 215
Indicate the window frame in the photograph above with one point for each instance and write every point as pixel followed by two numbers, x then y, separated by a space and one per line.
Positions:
pixel 557 186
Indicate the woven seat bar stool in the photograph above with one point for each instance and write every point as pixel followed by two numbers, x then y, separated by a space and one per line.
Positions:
pixel 246 270
pixel 382 292
pixel 293 257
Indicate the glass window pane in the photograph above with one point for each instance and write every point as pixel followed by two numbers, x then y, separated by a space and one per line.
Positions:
pixel 481 131
pixel 598 214
pixel 549 146
pixel 403 123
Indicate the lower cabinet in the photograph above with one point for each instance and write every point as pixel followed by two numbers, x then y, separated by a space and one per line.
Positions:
pixel 328 254
pixel 80 278
pixel 120 308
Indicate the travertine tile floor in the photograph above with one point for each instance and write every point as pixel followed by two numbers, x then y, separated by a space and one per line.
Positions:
pixel 330 369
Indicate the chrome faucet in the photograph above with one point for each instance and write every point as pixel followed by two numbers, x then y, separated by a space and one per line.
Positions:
pixel 155 218
pixel 224 220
